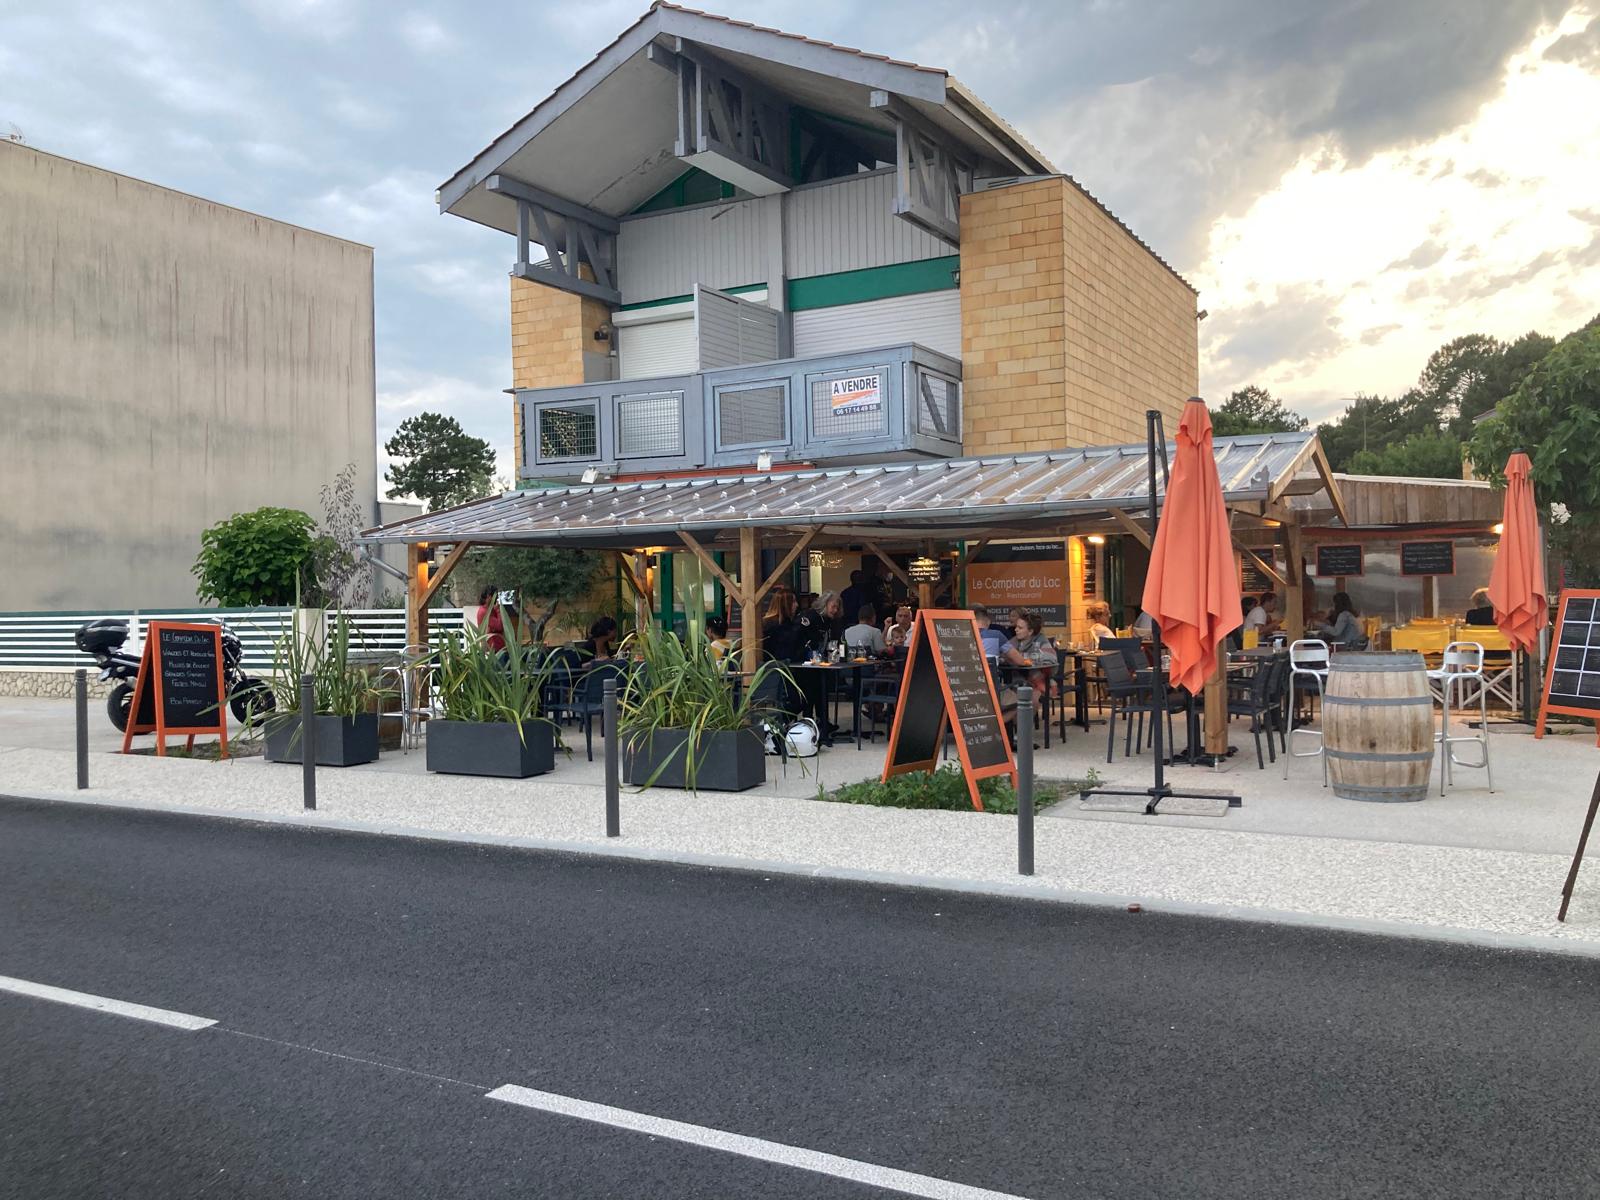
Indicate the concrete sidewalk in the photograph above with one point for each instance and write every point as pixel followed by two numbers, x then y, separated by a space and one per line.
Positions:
pixel 1493 896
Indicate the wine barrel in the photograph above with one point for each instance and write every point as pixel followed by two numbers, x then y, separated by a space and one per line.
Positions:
pixel 1377 722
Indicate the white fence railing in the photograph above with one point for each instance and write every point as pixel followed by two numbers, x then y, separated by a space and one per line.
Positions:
pixel 44 641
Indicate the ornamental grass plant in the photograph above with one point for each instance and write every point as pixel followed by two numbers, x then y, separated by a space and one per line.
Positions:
pixel 474 683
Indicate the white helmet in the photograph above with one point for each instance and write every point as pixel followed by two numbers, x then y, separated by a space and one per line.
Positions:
pixel 802 739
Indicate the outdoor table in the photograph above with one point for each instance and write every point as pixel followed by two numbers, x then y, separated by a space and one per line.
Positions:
pixel 831 671
pixel 1080 680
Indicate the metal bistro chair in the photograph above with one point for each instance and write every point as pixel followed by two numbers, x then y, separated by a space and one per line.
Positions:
pixel 1256 698
pixel 1131 697
pixel 413 674
pixel 1463 664
pixel 1308 671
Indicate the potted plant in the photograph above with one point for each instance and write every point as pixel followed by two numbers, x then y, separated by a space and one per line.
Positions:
pixel 346 717
pixel 684 725
pixel 491 702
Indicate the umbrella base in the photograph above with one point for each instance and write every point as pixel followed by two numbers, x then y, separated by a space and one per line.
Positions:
pixel 1154 796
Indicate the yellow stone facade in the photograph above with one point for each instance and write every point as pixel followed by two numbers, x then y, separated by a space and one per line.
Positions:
pixel 550 330
pixel 1070 328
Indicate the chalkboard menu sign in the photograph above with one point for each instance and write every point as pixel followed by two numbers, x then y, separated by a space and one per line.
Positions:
pixel 1572 679
pixel 1340 562
pixel 181 684
pixel 947 683
pixel 1427 558
pixel 1252 579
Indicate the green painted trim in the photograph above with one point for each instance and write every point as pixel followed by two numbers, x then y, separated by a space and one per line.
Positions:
pixel 665 300
pixel 874 283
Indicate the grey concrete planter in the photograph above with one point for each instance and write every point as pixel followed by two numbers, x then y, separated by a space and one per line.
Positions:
pixel 341 741
pixel 491 748
pixel 729 760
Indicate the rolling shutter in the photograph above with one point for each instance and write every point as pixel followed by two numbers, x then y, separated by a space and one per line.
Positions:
pixel 931 319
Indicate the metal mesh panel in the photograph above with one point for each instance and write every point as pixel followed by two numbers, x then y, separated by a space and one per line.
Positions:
pixel 751 416
pixel 938 403
pixel 569 431
pixel 849 403
pixel 650 426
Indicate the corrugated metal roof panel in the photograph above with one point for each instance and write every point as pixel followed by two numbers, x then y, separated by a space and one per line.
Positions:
pixel 947 498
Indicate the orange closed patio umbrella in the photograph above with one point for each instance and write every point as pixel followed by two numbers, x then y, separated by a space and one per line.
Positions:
pixel 1516 581
pixel 1191 589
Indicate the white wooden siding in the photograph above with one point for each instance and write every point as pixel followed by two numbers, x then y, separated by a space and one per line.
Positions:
pixel 849 225
pixel 932 319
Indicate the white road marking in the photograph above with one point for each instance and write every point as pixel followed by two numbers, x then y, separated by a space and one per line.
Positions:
pixel 122 1008
pixel 733 1143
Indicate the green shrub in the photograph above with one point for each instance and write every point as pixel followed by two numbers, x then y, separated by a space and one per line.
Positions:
pixel 260 557
pixel 945 788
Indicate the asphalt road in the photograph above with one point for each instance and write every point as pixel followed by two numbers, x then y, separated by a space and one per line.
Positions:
pixel 370 992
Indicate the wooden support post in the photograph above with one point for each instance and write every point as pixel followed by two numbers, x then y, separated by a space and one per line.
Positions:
pixel 788 560
pixel 637 577
pixel 417 594
pixel 1216 694
pixel 894 567
pixel 749 600
pixel 1131 527
pixel 437 575
pixel 1294 570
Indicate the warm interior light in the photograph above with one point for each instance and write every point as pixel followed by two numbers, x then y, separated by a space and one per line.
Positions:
pixel 1497 528
pixel 1097 539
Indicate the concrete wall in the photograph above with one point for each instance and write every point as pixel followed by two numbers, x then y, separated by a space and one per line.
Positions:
pixel 1070 327
pixel 165 362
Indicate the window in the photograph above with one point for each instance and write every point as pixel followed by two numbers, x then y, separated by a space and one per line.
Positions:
pixel 754 414
pixel 850 403
pixel 938 403
pixel 569 430
pixel 650 425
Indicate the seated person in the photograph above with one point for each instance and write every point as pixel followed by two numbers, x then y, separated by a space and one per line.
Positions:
pixel 601 644
pixel 1030 648
pixel 1263 617
pixel 1145 626
pixel 717 638
pixel 1099 614
pixel 1481 612
pixel 864 637
pixel 1342 630
pixel 779 634
pixel 993 639
pixel 898 632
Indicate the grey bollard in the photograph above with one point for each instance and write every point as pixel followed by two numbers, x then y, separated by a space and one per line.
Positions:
pixel 613 780
pixel 80 703
pixel 308 740
pixel 1024 781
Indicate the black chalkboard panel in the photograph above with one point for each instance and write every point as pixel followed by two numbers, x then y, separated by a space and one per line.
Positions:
pixel 189 659
pixel 1252 579
pixel 972 701
pixel 1427 558
pixel 1574 677
pixel 1335 562
pixel 920 719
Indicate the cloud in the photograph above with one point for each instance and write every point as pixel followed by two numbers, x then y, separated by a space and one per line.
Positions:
pixel 475 399
pixel 1424 256
pixel 1371 337
pixel 1581 48
pixel 1485 178
pixel 1299 323
pixel 425 35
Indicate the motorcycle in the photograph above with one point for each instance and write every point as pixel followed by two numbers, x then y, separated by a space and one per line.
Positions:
pixel 103 641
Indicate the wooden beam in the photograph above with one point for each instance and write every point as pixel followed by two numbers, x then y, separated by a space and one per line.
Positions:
pixel 710 564
pixel 794 552
pixel 1216 699
pixel 1325 469
pixel 641 590
pixel 435 578
pixel 749 616
pixel 1294 621
pixel 893 566
pixel 963 558
pixel 1262 564
pixel 1132 527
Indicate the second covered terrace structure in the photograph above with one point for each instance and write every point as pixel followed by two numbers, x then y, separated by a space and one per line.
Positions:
pixel 945 511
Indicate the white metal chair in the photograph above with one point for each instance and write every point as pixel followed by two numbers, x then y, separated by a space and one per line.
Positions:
pixel 1462 664
pixel 1308 671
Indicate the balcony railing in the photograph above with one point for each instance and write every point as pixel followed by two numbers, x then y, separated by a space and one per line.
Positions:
pixel 896 402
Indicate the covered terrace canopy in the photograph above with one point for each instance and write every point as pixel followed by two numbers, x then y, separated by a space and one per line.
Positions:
pixel 969 500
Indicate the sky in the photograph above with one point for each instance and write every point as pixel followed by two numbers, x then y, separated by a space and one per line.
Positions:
pixel 1349 183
